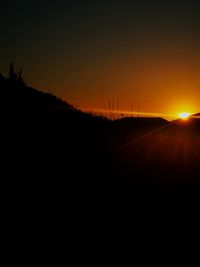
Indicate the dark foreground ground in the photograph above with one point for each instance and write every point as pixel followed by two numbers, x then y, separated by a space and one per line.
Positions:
pixel 47 145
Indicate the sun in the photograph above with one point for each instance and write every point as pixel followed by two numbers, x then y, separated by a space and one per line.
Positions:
pixel 184 115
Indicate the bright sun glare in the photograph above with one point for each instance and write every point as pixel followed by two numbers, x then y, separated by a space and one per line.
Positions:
pixel 184 115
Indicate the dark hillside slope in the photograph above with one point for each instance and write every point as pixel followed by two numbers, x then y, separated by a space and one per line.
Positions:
pixel 19 96
pixel 47 142
pixel 47 145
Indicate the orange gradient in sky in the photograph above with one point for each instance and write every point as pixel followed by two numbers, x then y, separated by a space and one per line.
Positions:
pixel 157 83
pixel 160 82
pixel 143 52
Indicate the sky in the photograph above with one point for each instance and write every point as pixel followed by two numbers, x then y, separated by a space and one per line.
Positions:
pixel 86 52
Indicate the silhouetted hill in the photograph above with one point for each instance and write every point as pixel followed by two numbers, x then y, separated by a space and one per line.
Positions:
pixel 16 97
pixel 48 145
pixel 192 122
pixel 22 96
pixel 196 116
pixel 141 122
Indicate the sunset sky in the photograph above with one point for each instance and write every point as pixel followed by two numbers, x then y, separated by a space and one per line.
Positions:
pixel 87 52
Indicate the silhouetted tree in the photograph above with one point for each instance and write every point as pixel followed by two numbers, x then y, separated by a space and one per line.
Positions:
pixel 12 74
pixel 20 76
